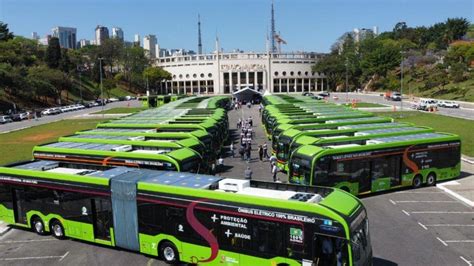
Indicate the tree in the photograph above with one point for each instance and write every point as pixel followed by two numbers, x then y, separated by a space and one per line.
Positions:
pixel 53 53
pixel 456 28
pixel 58 81
pixel 5 33
pixel 155 76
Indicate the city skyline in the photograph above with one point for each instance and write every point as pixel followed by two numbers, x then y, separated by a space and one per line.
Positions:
pixel 299 22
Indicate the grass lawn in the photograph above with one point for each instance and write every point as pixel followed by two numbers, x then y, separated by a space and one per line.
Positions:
pixel 441 123
pixel 367 105
pixel 18 145
pixel 121 110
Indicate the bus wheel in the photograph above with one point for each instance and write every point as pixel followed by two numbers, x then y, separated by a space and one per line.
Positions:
pixel 417 181
pixel 38 225
pixel 57 229
pixel 431 179
pixel 169 253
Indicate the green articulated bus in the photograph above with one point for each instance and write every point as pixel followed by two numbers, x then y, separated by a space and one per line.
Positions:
pixel 291 139
pixel 141 142
pixel 210 128
pixel 151 134
pixel 379 164
pixel 184 217
pixel 158 158
pixel 359 137
pixel 331 124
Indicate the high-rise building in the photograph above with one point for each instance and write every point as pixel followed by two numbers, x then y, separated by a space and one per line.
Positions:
pixel 66 36
pixel 137 40
pixel 84 42
pixel 34 35
pixel 101 34
pixel 149 43
pixel 361 34
pixel 117 33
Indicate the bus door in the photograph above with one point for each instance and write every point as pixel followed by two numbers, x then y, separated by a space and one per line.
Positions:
pixel 329 250
pixel 18 206
pixel 101 218
pixel 386 172
pixel 361 172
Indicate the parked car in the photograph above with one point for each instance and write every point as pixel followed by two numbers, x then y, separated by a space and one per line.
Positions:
pixel 20 116
pixel 318 97
pixel 427 104
pixel 308 94
pixel 448 104
pixel 396 96
pixel 5 119
pixel 111 100
pixel 324 94
pixel 49 111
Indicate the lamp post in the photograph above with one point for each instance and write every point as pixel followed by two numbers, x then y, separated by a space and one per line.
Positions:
pixel 101 86
pixel 401 80
pixel 79 70
pixel 347 80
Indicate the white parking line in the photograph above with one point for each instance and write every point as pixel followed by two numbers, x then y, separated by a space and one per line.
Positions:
pixel 418 192
pixel 466 261
pixel 426 201
pixel 422 225
pixel 27 241
pixel 440 212
pixel 405 212
pixel 449 225
pixel 393 202
pixel 440 240
pixel 36 258
pixel 459 241
pixel 67 253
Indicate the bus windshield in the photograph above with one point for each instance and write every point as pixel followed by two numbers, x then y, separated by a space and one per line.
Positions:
pixel 360 239
pixel 300 170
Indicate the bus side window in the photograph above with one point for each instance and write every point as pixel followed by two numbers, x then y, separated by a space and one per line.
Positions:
pixel 267 237
pixel 6 196
pixel 150 218
pixel 175 220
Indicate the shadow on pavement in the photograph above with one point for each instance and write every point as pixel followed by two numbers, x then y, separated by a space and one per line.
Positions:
pixel 382 262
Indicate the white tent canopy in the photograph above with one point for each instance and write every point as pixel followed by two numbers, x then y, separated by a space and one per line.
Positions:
pixel 246 94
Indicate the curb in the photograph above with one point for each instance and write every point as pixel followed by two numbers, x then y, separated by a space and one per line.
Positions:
pixel 4 229
pixel 467 160
pixel 455 195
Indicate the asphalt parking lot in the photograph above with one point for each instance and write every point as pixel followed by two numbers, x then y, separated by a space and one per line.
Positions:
pixel 421 227
pixel 426 226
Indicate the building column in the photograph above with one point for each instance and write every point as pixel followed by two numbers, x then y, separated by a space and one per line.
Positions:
pixel 247 77
pixel 322 84
pixel 199 86
pixel 255 80
pixel 231 82
pixel 316 86
pixel 207 89
pixel 264 81
pixel 238 81
pixel 279 85
pixel 288 85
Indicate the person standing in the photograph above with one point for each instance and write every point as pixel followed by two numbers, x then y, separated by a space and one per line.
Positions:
pixel 248 152
pixel 260 152
pixel 220 164
pixel 248 173
pixel 250 121
pixel 241 152
pixel 273 159
pixel 231 147
pixel 274 172
pixel 265 150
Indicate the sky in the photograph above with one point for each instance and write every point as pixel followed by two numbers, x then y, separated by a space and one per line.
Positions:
pixel 306 25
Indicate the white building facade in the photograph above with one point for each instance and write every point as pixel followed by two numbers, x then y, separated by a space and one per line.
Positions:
pixel 225 73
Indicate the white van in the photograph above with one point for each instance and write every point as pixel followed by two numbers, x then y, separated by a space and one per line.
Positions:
pixel 427 104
